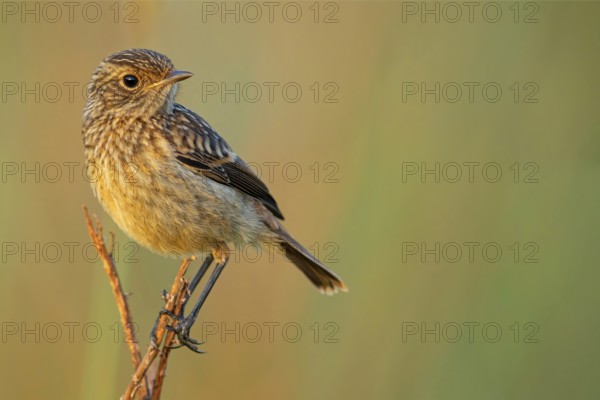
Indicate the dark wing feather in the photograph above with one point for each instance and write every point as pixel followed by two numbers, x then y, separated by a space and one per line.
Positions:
pixel 200 148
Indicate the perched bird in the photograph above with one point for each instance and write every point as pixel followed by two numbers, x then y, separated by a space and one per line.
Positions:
pixel 166 176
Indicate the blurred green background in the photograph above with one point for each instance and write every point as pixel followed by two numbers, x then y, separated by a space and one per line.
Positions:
pixel 421 321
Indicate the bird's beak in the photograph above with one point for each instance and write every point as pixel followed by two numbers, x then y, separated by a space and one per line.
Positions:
pixel 173 77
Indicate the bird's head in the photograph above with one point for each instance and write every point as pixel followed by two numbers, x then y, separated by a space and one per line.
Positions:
pixel 135 83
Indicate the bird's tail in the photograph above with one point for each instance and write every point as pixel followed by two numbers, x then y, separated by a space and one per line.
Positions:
pixel 325 280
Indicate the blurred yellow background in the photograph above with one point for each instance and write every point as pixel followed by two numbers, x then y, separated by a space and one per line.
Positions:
pixel 379 107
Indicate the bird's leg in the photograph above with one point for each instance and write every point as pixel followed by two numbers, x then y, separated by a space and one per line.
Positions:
pixel 196 279
pixel 184 324
pixel 193 284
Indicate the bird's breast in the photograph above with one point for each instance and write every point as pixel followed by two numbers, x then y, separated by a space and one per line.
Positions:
pixel 162 204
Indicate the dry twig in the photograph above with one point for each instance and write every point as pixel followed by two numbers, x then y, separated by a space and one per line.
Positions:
pixel 139 382
pixel 174 298
pixel 166 349
pixel 113 277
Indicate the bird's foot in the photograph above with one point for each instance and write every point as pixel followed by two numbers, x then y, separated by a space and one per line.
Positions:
pixel 153 339
pixel 182 328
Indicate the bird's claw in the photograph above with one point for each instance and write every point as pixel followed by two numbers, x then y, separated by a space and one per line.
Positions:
pixel 182 330
pixel 171 314
pixel 165 295
pixel 153 342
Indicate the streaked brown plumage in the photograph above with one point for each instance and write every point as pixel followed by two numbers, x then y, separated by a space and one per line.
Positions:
pixel 167 178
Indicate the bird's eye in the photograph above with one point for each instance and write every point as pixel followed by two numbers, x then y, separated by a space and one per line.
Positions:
pixel 130 81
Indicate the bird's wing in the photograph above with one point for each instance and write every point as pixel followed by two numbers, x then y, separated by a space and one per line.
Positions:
pixel 200 148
